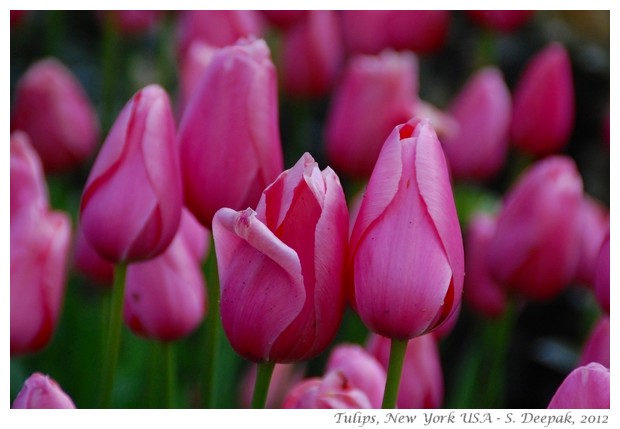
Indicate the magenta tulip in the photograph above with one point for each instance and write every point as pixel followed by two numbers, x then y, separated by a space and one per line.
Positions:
pixel 192 69
pixel 478 148
pixel 53 109
pixel 281 268
pixel 406 250
pixel 447 327
pixel 601 278
pixel 422 377
pixel 229 140
pixel 40 391
pixel 535 249
pixel 587 387
pixel 594 226
pixel 312 54
pixel 133 22
pixel 544 103
pixel 88 262
pixel 28 187
pixel 597 347
pixel 283 18
pixel 505 21
pixel 331 392
pixel 284 378
pixel 131 205
pixel 481 291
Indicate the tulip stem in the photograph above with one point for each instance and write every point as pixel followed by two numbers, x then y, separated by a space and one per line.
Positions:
pixel 169 372
pixel 213 327
pixel 395 368
pixel 261 387
pixel 114 334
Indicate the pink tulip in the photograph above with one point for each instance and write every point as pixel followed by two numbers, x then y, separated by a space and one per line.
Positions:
pixel 196 237
pixel 587 387
pixel 331 392
pixel 481 291
pixel 229 139
pixel 28 187
pixel 40 391
pixel 406 250
pixel 217 28
pixel 544 103
pixel 594 226
pixel 133 22
pixel 535 249
pixel 281 268
pixel 283 379
pixel 131 205
pixel 193 67
pixel 54 110
pixel 165 297
pixel 478 148
pixel 88 262
pixel 312 54
pixel 422 378
pixel 447 327
pixel 383 88
pixel 39 251
pixel 505 21
pixel 283 19
pixel 597 348
pixel 361 370
pixel 601 279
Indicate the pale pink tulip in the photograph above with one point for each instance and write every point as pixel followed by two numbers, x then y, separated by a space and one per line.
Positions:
pixel 597 347
pixel 283 379
pixel 331 392
pixel 40 391
pixel 587 387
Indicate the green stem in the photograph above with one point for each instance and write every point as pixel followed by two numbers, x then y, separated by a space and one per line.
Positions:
pixel 261 387
pixel 395 368
pixel 114 334
pixel 169 373
pixel 213 328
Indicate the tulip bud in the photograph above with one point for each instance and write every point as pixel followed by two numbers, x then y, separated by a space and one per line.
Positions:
pixel 40 391
pixel 88 262
pixel 536 244
pixel 481 291
pixel 587 387
pixel 596 348
pixel 312 54
pixel 544 103
pixel 406 250
pixel 193 67
pixel 383 88
pixel 478 148
pixel 281 268
pixel 54 110
pixel 28 188
pixel 229 140
pixel 196 237
pixel 422 378
pixel 505 21
pixel 594 225
pixel 331 392
pixel 165 296
pixel 131 205
pixel 601 279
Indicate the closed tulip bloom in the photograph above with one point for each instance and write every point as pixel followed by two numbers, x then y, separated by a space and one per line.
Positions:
pixel 587 387
pixel 447 327
pixel 505 21
pixel 39 250
pixel 229 139
pixel 331 392
pixel 536 245
pixel 28 188
pixel 131 205
pixel 281 268
pixel 544 103
pixel 165 297
pixel 42 392
pixel 594 226
pixel 478 148
pixel 406 250
pixel 596 348
pixel 312 54
pixel 422 378
pixel 197 238
pixel 88 262
pixel 383 88
pixel 361 370
pixel 601 279
pixel 192 69
pixel 481 291
pixel 53 109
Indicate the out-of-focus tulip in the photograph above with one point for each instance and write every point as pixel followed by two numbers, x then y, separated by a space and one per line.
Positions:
pixel 283 18
pixel 165 296
pixel 54 110
pixel 229 139
pixel 312 54
pixel 478 148
pixel 535 249
pixel 601 279
pixel 331 392
pixel 481 291
pixel 406 250
pixel 131 205
pixel 197 238
pixel 193 68
pixel 133 22
pixel 383 88
pixel 283 379
pixel 88 262
pixel 17 17
pixel 217 28
pixel 505 21
pixel 587 387
pixel 594 226
pixel 40 391
pixel 28 188
pixel 422 378
pixel 544 103
pixel 39 251
pixel 596 348
pixel 361 370
pixel 282 267
pixel 370 31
